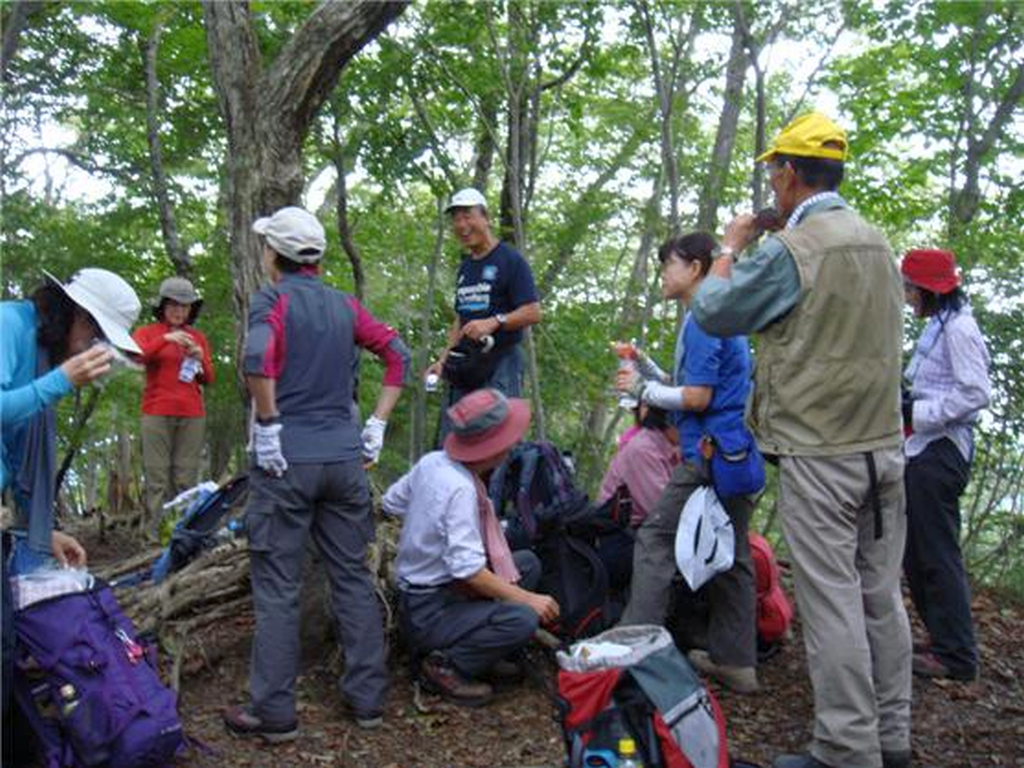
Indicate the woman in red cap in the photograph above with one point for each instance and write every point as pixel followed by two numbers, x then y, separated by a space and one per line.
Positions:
pixel 947 386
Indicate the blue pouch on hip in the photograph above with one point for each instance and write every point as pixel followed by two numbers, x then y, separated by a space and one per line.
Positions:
pixel 734 463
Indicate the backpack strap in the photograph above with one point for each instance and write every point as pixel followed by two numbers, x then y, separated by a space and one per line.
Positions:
pixel 528 459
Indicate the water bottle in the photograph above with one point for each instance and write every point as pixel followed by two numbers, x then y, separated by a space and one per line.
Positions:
pixel 431 382
pixel 627 362
pixel 628 757
pixel 190 366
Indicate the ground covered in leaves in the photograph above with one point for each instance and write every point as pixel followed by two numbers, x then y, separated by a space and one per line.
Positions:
pixel 954 724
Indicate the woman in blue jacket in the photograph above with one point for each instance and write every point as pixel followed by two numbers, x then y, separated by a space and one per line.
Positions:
pixel 47 349
pixel 707 396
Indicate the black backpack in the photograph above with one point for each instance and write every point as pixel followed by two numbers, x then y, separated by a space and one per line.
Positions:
pixel 534 492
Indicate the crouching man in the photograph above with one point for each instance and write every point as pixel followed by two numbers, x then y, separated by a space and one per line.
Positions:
pixel 465 601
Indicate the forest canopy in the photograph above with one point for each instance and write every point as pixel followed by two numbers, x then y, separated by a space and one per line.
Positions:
pixel 145 137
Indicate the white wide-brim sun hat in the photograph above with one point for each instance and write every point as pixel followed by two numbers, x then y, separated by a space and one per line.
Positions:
pixel 109 300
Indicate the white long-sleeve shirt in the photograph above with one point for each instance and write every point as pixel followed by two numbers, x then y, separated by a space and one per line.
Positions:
pixel 949 380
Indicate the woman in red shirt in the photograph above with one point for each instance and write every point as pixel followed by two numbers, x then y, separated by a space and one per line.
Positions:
pixel 178 365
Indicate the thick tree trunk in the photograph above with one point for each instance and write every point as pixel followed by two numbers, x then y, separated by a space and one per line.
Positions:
pixel 268 112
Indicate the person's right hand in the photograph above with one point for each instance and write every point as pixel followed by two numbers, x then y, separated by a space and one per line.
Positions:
pixel 545 606
pixel 183 339
pixel 88 365
pixel 434 368
pixel 741 232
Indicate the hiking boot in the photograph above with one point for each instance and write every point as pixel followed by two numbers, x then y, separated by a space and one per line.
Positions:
pixel 798 761
pixel 368 720
pixel 900 759
pixel 930 665
pixel 241 721
pixel 437 675
pixel 505 671
pixel 738 679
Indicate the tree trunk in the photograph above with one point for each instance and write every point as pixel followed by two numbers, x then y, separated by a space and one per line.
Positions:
pixel 177 253
pixel 419 423
pixel 725 136
pixel 341 210
pixel 268 111
pixel 964 202
pixel 13 23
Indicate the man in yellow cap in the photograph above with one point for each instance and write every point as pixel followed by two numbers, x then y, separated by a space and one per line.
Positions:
pixel 825 295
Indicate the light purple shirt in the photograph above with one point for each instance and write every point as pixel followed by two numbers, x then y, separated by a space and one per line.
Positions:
pixel 643 465
pixel 949 380
pixel 441 539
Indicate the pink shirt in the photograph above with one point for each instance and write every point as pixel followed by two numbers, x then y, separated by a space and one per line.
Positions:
pixel 643 465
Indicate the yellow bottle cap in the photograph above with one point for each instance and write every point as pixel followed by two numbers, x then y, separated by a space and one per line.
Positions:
pixel 627 746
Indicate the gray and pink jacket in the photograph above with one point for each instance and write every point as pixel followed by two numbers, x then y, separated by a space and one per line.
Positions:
pixel 305 335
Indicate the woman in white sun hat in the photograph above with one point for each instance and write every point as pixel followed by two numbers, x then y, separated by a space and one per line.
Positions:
pixel 49 347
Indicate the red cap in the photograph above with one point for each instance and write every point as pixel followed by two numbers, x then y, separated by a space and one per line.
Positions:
pixel 931 269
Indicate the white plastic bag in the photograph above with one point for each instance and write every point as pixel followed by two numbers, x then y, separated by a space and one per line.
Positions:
pixel 705 539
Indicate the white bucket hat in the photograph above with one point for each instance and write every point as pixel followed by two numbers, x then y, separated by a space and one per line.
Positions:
pixel 294 233
pixel 109 300
pixel 466 198
pixel 705 538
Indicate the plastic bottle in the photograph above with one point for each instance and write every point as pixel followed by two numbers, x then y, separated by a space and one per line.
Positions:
pixel 431 382
pixel 628 757
pixel 627 362
pixel 190 367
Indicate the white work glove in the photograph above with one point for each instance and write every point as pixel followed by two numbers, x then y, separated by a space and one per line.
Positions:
pixel 664 396
pixel 266 440
pixel 373 438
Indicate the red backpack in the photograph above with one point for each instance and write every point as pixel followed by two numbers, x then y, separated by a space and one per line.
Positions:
pixel 774 611
pixel 650 694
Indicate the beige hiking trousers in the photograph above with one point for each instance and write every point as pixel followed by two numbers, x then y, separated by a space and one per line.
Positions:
pixel 855 626
pixel 171 449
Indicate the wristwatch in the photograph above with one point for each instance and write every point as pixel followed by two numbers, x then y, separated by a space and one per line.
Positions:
pixel 727 251
pixel 501 318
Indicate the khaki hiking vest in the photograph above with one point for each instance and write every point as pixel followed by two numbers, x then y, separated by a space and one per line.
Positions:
pixel 827 378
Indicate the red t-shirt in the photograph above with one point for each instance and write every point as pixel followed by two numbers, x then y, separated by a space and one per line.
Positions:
pixel 165 393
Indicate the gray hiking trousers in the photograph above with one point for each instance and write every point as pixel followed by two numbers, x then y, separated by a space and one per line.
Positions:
pixel 732 596
pixel 332 503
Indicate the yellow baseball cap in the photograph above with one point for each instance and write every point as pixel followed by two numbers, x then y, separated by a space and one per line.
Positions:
pixel 810 135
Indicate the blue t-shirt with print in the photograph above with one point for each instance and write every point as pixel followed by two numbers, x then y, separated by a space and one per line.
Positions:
pixel 722 364
pixel 500 282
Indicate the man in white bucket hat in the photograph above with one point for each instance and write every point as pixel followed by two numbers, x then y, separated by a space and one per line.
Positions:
pixel 47 349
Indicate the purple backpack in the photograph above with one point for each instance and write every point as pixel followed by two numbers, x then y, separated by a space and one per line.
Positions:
pixel 89 688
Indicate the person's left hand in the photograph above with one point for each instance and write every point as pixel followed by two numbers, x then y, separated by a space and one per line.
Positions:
pixel 373 438
pixel 67 551
pixel 477 329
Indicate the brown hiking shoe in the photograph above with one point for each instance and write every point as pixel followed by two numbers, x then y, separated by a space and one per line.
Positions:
pixel 437 675
pixel 738 679
pixel 930 665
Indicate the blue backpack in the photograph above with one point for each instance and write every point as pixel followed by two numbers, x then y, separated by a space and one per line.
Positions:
pixel 89 688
